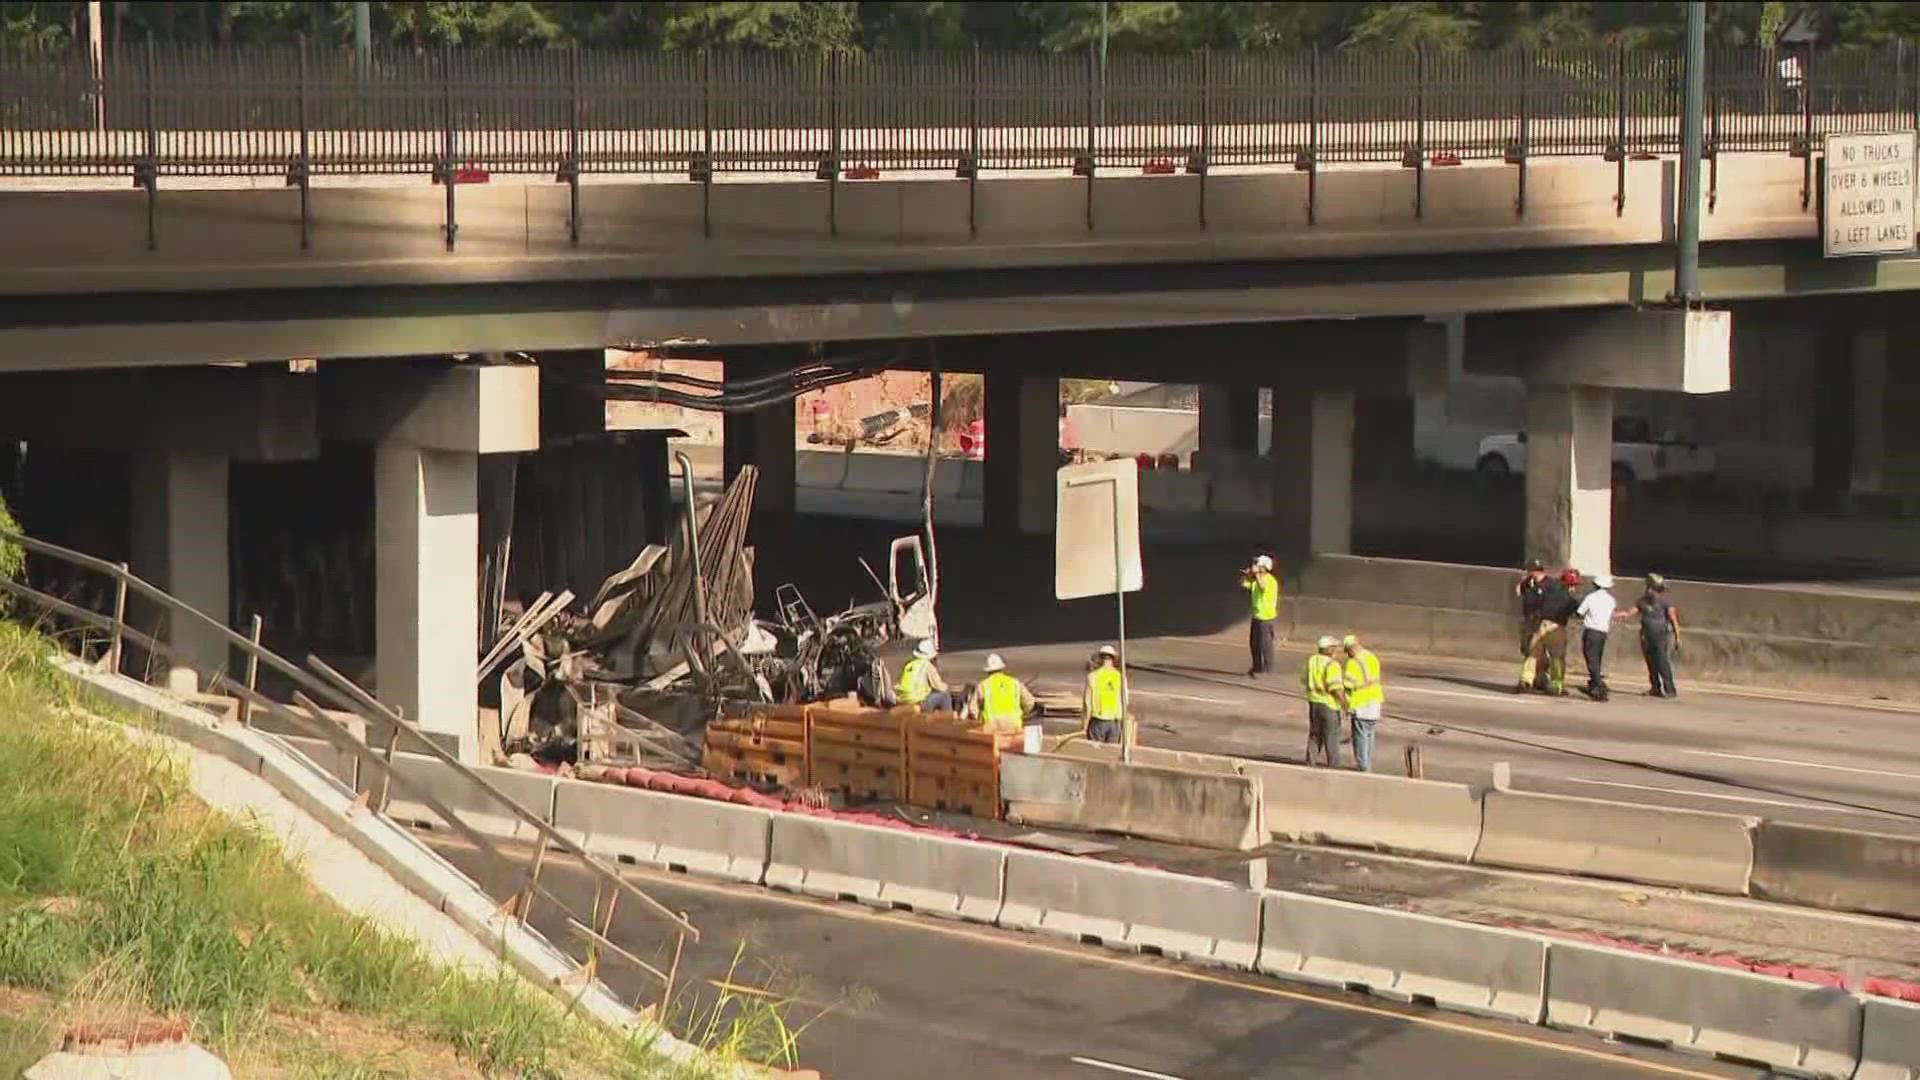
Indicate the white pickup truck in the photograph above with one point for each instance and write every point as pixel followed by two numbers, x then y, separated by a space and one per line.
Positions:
pixel 1638 457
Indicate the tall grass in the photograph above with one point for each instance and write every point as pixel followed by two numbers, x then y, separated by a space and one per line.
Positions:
pixel 111 872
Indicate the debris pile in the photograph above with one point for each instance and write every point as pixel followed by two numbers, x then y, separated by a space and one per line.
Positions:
pixel 633 676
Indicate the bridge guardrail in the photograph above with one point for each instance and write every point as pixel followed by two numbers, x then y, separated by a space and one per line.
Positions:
pixel 161 110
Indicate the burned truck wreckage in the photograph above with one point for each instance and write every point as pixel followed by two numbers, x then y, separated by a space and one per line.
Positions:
pixel 633 675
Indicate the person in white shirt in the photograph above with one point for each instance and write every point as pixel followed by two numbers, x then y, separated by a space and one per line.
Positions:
pixel 1596 619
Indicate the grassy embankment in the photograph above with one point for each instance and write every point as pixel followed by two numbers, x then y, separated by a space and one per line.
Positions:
pixel 124 897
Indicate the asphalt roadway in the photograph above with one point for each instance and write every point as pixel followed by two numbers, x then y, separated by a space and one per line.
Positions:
pixel 886 995
pixel 1852 765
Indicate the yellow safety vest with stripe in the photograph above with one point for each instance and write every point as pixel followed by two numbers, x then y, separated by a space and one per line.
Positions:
pixel 1322 680
pixel 1263 592
pixel 1103 693
pixel 914 686
pixel 1000 701
pixel 1363 680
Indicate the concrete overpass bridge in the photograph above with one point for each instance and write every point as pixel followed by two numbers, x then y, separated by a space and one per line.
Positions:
pixel 1245 223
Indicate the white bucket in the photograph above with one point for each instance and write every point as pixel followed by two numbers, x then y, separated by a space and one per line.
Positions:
pixel 1032 734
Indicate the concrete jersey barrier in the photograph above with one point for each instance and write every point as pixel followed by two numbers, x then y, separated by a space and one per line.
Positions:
pixel 672 832
pixel 1405 956
pixel 1206 809
pixel 934 875
pixel 1797 1028
pixel 1184 917
pixel 484 814
pixel 1424 817
pixel 1837 868
pixel 1889 1041
pixel 1599 838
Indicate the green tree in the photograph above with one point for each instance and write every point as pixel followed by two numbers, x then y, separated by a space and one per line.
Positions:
pixel 783 26
pixel 1414 25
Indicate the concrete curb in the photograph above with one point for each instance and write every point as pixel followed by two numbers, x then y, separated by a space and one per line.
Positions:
pixel 420 869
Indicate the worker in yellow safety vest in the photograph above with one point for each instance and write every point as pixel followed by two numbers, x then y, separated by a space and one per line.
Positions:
pixel 1326 685
pixel 920 682
pixel 1263 596
pixel 1366 694
pixel 1001 702
pixel 1101 705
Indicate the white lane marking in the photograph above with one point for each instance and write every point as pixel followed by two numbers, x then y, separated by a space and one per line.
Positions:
pixel 1725 798
pixel 1184 697
pixel 1803 764
pixel 1128 1069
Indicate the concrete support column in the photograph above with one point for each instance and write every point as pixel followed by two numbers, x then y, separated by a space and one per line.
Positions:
pixel 1870 411
pixel 1569 455
pixel 179 543
pixel 1313 471
pixel 426 596
pixel 764 437
pixel 1229 422
pixel 1023 451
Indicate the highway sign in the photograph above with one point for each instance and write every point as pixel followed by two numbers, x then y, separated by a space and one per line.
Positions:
pixel 1868 194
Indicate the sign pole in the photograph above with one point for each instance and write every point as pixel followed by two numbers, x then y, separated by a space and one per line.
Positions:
pixel 1120 595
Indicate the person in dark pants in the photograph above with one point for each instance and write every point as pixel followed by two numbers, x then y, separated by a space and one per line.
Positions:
pixel 1659 635
pixel 1263 597
pixel 1596 620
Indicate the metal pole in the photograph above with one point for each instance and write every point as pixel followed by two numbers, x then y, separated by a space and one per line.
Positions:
pixel 1686 281
pixel 97 50
pixel 253 672
pixel 1103 63
pixel 119 620
pixel 1120 596
pixel 693 540
pixel 363 35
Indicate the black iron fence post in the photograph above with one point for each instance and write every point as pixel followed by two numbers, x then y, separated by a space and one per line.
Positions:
pixel 147 173
pixel 570 169
pixel 1806 132
pixel 1518 149
pixel 1204 160
pixel 1712 147
pixel 1310 161
pixel 970 167
pixel 448 147
pixel 302 172
pixel 1619 148
pixel 834 146
pixel 703 169
pixel 1416 158
pixel 1089 161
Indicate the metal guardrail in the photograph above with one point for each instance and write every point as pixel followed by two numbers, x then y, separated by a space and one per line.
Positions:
pixel 323 684
pixel 299 112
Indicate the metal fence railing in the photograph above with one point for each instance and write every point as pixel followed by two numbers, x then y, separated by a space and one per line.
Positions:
pixel 512 876
pixel 157 111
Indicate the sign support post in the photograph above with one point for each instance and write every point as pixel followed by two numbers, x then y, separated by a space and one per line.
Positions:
pixel 1077 536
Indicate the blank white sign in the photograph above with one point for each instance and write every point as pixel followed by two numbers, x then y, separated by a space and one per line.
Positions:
pixel 1088 497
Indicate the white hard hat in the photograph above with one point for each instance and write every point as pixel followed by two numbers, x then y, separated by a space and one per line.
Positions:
pixel 1605 581
pixel 1328 642
pixel 1350 640
pixel 994 663
pixel 1108 650
pixel 925 649
pixel 1264 562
